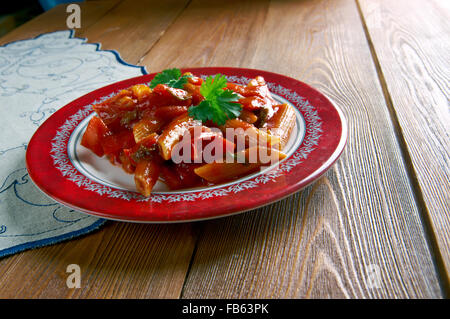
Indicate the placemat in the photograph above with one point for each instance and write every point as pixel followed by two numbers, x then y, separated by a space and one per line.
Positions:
pixel 37 77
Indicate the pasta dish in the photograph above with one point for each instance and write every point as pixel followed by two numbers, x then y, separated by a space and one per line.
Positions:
pixel 189 132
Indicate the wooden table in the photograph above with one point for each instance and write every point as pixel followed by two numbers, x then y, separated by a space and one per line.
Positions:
pixel 382 209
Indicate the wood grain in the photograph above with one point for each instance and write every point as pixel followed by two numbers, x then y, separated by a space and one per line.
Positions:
pixel 120 260
pixel 209 33
pixel 55 20
pixel 413 58
pixel 362 216
pixel 134 25
pixel 322 242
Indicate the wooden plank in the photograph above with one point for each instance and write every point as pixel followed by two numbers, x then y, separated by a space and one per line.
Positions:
pixel 413 58
pixel 361 218
pixel 136 26
pixel 121 259
pixel 209 33
pixel 55 19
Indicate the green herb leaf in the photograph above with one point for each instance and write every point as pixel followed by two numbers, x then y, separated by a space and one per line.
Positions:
pixel 170 77
pixel 219 104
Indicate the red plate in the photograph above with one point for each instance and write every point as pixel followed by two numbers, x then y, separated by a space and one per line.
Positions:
pixel 75 177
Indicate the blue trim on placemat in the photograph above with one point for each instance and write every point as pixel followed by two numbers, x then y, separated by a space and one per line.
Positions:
pixel 52 240
pixel 99 222
pixel 98 48
pixel 117 54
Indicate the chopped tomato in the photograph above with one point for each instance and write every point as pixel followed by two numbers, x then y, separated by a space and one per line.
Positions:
pixel 248 116
pixel 170 177
pixel 255 95
pixel 187 176
pixel 194 91
pixel 94 135
pixel 142 150
pixel 163 95
pixel 236 88
pixel 252 103
pixel 114 143
pixel 195 80
pixel 127 164
pixel 141 92
pixel 146 176
pixel 118 112
pixel 181 175
pixel 170 112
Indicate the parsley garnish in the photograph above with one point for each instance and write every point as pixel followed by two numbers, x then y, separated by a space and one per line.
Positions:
pixel 170 77
pixel 218 105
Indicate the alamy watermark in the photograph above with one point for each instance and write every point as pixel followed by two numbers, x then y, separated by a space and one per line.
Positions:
pixel 74 279
pixel 207 145
pixel 73 20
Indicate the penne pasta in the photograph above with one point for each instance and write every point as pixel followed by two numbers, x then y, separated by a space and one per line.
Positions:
pixel 246 135
pixel 209 145
pixel 173 133
pixel 243 165
pixel 146 175
pixel 146 127
pixel 282 123
pixel 189 131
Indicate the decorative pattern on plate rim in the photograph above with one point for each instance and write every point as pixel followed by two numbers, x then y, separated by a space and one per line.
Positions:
pixel 313 133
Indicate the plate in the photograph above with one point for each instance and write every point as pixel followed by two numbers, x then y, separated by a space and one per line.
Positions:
pixel 75 177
